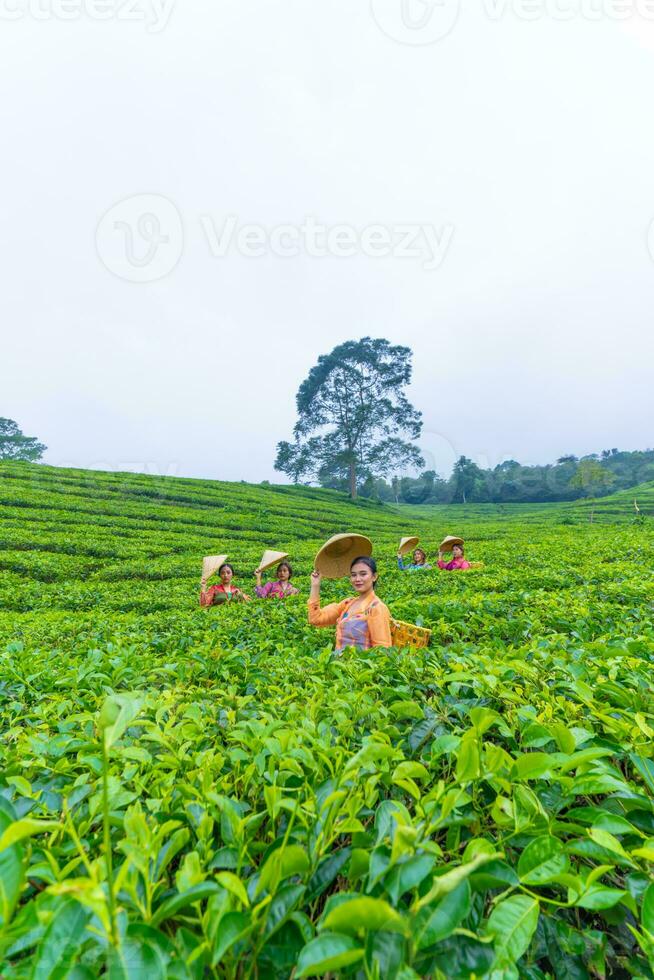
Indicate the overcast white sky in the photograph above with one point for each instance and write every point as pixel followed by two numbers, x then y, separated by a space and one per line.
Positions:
pixel 522 142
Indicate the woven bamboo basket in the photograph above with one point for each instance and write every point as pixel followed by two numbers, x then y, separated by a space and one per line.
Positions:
pixel 408 634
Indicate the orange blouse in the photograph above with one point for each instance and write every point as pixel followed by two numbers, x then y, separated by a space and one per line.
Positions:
pixel 368 627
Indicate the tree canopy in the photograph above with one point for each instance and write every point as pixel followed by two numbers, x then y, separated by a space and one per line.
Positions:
pixel 592 477
pixel 510 482
pixel 14 445
pixel 354 419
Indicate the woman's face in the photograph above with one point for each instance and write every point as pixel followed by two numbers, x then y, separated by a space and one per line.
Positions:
pixel 362 578
pixel 457 551
pixel 419 557
pixel 282 573
pixel 226 575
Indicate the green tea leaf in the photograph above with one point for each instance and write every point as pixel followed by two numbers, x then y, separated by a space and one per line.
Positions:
pixel 61 942
pixel 512 923
pixel 233 885
pixel 363 914
pixel 647 910
pixel 533 765
pixel 281 864
pixel 447 882
pixel 27 827
pixel 406 709
pixel 135 959
pixel 328 869
pixel 12 873
pixel 326 954
pixel 645 767
pixel 116 714
pixel 440 922
pixel 542 860
pixel 233 927
pixel 467 758
pixel 600 897
pixel 564 737
pixel 173 905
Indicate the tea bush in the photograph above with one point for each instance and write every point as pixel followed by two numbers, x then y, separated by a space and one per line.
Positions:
pixel 196 793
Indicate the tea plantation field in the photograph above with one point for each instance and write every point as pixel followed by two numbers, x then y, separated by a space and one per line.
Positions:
pixel 195 793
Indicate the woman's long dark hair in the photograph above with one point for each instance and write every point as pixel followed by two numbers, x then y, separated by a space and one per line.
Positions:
pixel 365 560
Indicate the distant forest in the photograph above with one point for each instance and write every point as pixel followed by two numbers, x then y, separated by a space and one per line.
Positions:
pixel 569 478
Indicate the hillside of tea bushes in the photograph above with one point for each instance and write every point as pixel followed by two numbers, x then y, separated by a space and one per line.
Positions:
pixel 197 793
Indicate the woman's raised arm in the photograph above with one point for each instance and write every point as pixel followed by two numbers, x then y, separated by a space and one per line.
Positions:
pixel 322 617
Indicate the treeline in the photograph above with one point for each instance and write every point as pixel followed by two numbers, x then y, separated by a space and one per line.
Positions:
pixel 570 478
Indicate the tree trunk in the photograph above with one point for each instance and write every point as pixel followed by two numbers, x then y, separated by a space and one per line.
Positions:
pixel 353 481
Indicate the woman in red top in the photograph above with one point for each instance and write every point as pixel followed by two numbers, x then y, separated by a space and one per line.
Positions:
pixel 458 561
pixel 224 592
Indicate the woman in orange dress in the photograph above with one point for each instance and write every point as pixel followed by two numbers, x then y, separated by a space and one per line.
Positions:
pixel 362 621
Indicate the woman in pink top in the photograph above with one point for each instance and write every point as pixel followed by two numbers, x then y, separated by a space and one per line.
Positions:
pixel 458 561
pixel 279 589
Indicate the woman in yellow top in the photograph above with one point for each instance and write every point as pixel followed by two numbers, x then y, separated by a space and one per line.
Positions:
pixel 362 621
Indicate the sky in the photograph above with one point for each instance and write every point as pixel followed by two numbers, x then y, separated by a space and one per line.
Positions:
pixel 200 197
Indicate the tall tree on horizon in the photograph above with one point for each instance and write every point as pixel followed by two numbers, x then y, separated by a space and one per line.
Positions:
pixel 352 415
pixel 466 478
pixel 14 445
pixel 591 477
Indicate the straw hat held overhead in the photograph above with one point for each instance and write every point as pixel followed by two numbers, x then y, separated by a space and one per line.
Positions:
pixel 336 555
pixel 271 558
pixel 211 564
pixel 408 544
pixel 448 543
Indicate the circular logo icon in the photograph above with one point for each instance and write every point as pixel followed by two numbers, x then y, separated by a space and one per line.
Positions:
pixel 416 21
pixel 141 238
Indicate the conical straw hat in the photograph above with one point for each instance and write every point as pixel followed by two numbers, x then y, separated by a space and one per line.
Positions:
pixel 211 564
pixel 336 555
pixel 271 558
pixel 408 544
pixel 448 543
